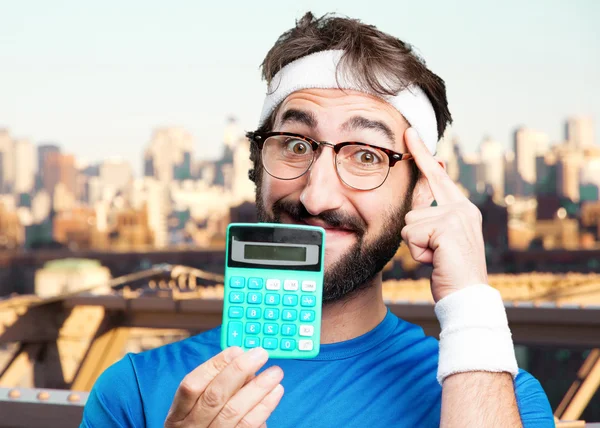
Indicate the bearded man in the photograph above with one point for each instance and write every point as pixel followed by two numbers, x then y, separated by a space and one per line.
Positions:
pixel 346 141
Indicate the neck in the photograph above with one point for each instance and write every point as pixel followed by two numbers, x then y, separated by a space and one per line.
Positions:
pixel 351 318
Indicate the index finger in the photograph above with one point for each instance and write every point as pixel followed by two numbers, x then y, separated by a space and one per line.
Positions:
pixel 192 386
pixel 443 188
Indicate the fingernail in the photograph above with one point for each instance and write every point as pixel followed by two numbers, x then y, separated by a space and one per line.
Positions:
pixel 412 132
pixel 273 372
pixel 232 353
pixel 258 354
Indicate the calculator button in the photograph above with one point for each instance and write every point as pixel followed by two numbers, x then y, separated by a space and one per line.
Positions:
pixel 273 284
pixel 253 313
pixel 290 285
pixel 236 282
pixel 252 342
pixel 234 334
pixel 272 299
pixel 290 300
pixel 269 343
pixel 255 283
pixel 307 316
pixel 288 329
pixel 254 298
pixel 289 314
pixel 309 286
pixel 236 312
pixel 306 330
pixel 253 328
pixel 271 329
pixel 305 345
pixel 288 344
pixel 236 297
pixel 308 301
pixel 271 314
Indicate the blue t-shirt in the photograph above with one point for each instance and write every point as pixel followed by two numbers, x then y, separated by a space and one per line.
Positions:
pixel 384 378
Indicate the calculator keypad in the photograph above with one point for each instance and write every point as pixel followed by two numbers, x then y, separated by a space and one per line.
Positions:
pixel 278 314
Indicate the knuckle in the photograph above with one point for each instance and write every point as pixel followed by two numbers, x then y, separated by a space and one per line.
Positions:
pixel 188 389
pixel 229 412
pixel 245 423
pixel 213 397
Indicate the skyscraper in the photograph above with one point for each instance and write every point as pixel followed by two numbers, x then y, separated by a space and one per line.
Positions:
pixel 7 165
pixel 568 172
pixel 115 174
pixel 527 143
pixel 59 168
pixel 169 155
pixel 492 159
pixel 579 132
pixel 25 166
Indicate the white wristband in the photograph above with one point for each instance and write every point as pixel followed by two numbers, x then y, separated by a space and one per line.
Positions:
pixel 475 334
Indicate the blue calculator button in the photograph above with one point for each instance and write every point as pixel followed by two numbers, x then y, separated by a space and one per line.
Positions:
pixel 234 334
pixel 288 329
pixel 253 313
pixel 253 328
pixel 252 342
pixel 289 314
pixel 255 298
pixel 271 314
pixel 271 329
pixel 236 297
pixel 272 299
pixel 290 300
pixel 288 344
pixel 237 282
pixel 269 343
pixel 236 312
pixel 307 316
pixel 255 283
pixel 308 300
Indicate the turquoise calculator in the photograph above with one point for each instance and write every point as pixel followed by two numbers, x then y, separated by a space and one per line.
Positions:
pixel 274 288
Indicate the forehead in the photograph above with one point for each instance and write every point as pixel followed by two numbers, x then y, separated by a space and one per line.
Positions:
pixel 336 105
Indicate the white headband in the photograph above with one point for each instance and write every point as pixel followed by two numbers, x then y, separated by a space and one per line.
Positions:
pixel 320 70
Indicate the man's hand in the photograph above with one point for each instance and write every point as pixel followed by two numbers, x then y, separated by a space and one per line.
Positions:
pixel 224 392
pixel 449 235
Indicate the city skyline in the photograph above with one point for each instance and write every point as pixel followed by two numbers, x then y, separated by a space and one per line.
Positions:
pixel 102 93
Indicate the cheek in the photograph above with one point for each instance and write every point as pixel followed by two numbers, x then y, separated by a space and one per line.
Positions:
pixel 274 189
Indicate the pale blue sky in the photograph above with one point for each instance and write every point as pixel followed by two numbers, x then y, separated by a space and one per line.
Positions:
pixel 97 77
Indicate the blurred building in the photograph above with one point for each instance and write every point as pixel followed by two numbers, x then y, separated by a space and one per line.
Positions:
pixel 568 171
pixel 25 163
pixel 70 275
pixel 59 168
pixel 131 230
pixel 527 144
pixel 448 150
pixel 115 174
pixel 152 194
pixel 43 151
pixel 169 155
pixel 7 165
pixel 12 234
pixel 76 228
pixel 579 132
pixel 492 159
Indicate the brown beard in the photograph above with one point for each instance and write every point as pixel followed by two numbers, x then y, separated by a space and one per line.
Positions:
pixel 355 270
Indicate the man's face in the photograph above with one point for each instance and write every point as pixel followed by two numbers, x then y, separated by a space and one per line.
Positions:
pixel 362 227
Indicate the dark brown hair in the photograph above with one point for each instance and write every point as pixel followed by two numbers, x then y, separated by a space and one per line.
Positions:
pixel 368 52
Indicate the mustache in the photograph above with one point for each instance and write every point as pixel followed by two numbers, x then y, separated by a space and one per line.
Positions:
pixel 332 218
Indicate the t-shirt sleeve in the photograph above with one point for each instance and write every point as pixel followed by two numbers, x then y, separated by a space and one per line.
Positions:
pixel 532 401
pixel 115 399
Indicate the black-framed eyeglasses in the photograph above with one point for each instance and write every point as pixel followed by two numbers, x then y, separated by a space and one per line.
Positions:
pixel 361 166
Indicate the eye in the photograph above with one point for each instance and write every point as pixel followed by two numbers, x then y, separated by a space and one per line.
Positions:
pixel 297 147
pixel 366 157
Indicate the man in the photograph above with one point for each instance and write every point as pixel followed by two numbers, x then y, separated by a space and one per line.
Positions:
pixel 345 141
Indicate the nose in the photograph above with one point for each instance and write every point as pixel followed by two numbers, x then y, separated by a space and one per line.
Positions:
pixel 323 190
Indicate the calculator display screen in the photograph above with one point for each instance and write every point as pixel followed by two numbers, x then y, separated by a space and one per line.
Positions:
pixel 272 252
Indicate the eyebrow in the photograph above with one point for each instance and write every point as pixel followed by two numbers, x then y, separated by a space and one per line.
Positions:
pixel 359 122
pixel 299 116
